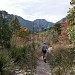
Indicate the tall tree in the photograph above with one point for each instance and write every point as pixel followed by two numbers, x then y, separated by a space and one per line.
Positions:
pixel 71 22
pixel 15 25
pixel 71 16
pixel 5 32
pixel 57 27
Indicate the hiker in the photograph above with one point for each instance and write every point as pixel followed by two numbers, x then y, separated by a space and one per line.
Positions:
pixel 44 51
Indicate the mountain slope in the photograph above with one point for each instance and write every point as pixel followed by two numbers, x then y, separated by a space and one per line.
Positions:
pixel 26 23
pixel 62 20
pixel 36 25
pixel 41 24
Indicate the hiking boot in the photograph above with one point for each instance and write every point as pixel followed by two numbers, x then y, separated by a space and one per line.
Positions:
pixel 45 59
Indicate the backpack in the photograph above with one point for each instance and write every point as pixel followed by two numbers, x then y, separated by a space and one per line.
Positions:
pixel 44 47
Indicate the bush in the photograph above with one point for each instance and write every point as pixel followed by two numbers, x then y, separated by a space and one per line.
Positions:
pixel 61 57
pixel 4 60
pixel 58 70
pixel 24 55
pixel 16 54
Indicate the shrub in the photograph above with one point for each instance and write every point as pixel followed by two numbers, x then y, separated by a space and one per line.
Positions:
pixel 4 60
pixel 24 55
pixel 16 54
pixel 61 57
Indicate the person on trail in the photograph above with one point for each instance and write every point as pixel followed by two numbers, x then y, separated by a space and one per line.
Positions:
pixel 44 50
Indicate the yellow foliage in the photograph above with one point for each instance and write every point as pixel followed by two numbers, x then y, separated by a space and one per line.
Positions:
pixel 23 29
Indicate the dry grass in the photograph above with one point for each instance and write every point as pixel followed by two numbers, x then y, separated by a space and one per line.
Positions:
pixel 64 46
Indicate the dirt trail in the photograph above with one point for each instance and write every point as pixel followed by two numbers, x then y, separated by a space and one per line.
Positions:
pixel 42 67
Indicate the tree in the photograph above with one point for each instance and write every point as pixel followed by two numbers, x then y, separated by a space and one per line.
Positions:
pixel 71 22
pixel 5 32
pixel 15 25
pixel 71 30
pixel 57 28
pixel 71 34
pixel 71 16
pixel 72 2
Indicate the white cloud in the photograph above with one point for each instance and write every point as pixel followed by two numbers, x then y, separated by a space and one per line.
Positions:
pixel 50 10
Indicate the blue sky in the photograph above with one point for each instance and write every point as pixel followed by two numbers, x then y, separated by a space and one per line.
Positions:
pixel 51 10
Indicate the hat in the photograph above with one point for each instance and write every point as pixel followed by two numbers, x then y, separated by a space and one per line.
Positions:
pixel 44 42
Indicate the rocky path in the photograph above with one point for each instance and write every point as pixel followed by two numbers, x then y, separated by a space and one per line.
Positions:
pixel 42 67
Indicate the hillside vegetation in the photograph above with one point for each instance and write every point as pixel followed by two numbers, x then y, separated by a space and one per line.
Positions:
pixel 20 48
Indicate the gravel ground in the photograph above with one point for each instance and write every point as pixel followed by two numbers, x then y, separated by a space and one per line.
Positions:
pixel 42 67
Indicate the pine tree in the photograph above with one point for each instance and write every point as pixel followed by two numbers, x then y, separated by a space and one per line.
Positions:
pixel 15 26
pixel 5 32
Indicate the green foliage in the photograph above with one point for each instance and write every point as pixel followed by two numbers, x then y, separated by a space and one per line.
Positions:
pixel 58 71
pixel 58 57
pixel 54 36
pixel 71 34
pixel 61 60
pixel 37 45
pixel 72 56
pixel 57 28
pixel 71 22
pixel 23 55
pixel 15 25
pixel 72 73
pixel 72 2
pixel 5 33
pixel 16 54
pixel 4 60
pixel 71 16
